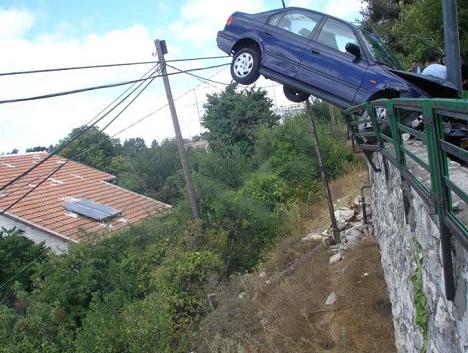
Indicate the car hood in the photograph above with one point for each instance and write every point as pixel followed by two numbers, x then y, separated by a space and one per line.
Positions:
pixel 436 87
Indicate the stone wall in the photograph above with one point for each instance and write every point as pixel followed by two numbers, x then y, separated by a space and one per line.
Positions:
pixel 405 229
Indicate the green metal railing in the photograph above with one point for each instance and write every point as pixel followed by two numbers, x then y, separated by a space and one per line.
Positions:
pixel 428 158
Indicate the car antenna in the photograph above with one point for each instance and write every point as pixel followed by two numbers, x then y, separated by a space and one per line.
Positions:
pixel 284 5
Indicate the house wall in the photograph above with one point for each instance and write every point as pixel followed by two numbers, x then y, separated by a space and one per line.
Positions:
pixel 407 232
pixel 55 244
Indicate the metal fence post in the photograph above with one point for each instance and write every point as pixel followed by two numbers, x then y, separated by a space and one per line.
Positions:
pixel 396 136
pixel 433 128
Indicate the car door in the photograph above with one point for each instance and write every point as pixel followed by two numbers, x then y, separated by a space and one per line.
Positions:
pixel 328 67
pixel 284 39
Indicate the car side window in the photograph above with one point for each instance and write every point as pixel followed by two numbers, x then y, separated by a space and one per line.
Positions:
pixel 298 23
pixel 336 35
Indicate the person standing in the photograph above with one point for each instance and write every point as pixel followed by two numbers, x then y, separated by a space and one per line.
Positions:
pixel 434 69
pixel 415 68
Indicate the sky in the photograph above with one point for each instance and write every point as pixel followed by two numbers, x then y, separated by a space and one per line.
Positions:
pixel 38 34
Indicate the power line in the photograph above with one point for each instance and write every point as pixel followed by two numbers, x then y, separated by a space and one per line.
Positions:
pixel 64 93
pixel 65 144
pixel 27 266
pixel 74 157
pixel 198 77
pixel 120 95
pixel 57 150
pixel 202 58
pixel 75 68
pixel 60 148
pixel 163 106
pixel 70 68
pixel 94 146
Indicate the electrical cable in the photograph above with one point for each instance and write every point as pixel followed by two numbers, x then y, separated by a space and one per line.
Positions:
pixel 68 142
pixel 91 121
pixel 64 93
pixel 120 95
pixel 70 68
pixel 74 157
pixel 163 106
pixel 50 175
pixel 94 146
pixel 198 77
pixel 75 68
pixel 202 58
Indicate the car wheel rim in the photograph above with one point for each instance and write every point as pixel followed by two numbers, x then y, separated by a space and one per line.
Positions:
pixel 243 65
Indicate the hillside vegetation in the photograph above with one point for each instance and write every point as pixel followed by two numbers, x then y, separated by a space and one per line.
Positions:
pixel 145 288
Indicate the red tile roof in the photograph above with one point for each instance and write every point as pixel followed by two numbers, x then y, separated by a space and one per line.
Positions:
pixel 44 207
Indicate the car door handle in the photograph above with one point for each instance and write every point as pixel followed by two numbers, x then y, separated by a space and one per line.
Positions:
pixel 314 51
pixel 267 33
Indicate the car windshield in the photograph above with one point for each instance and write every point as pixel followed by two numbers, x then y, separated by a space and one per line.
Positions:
pixel 379 51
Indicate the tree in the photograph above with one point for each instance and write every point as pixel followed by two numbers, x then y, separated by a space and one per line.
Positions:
pixel 133 146
pixel 420 26
pixel 93 148
pixel 235 117
pixel 412 28
pixel 18 257
pixel 36 149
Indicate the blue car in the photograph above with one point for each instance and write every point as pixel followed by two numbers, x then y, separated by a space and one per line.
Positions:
pixel 311 53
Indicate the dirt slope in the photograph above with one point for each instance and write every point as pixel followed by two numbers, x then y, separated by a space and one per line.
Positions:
pixel 281 308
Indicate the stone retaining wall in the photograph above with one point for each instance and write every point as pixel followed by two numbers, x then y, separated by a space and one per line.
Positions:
pixel 406 230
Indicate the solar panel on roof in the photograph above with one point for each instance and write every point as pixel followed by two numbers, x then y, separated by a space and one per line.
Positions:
pixel 91 209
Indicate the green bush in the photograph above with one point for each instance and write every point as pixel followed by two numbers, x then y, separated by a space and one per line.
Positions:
pixel 250 225
pixel 225 164
pixel 18 258
pixel 270 189
pixel 288 152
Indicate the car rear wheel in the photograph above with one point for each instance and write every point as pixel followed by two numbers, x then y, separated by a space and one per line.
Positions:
pixel 245 66
pixel 294 95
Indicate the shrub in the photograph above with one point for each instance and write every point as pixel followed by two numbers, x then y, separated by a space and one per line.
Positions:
pixel 267 188
pixel 250 226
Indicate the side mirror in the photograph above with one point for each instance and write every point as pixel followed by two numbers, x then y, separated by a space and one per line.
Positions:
pixel 353 49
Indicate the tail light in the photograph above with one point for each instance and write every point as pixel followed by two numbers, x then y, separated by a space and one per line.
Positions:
pixel 229 21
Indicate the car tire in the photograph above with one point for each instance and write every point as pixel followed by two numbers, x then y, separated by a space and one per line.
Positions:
pixel 294 95
pixel 245 66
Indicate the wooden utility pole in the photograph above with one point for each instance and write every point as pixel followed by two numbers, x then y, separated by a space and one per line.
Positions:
pixel 161 49
pixel 318 151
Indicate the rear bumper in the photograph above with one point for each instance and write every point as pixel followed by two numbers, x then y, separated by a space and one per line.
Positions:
pixel 225 42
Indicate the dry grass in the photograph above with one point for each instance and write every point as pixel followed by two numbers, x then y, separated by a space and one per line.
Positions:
pixel 363 322
pixel 266 313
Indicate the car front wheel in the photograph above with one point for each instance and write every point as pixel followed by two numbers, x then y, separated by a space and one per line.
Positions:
pixel 294 95
pixel 245 66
